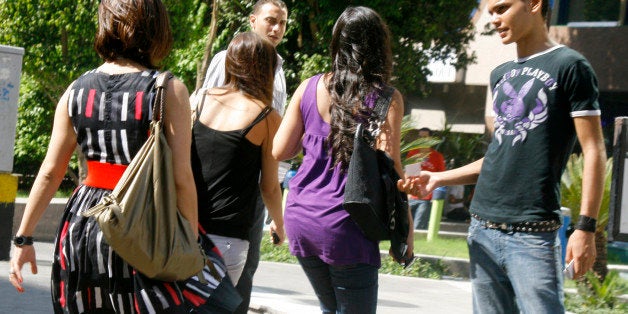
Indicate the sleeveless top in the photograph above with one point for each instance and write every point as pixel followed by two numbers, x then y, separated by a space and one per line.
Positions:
pixel 226 168
pixel 111 114
pixel 316 223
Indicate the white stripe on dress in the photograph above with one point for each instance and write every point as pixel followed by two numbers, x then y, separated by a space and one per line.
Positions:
pixel 101 107
pixel 99 257
pixel 102 145
pixel 79 302
pixel 110 262
pixel 125 107
pixel 98 297
pixel 79 100
pixel 160 296
pixel 70 100
pixel 90 149
pixel 120 304
pixel 125 145
pixel 114 147
pixel 149 306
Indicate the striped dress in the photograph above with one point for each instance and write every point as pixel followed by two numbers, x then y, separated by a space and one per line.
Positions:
pixel 111 117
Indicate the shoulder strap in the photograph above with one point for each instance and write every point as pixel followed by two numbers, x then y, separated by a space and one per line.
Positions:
pixel 383 103
pixel 160 97
pixel 259 118
pixel 198 108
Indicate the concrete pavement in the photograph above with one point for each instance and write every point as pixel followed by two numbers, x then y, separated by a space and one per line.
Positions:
pixel 278 288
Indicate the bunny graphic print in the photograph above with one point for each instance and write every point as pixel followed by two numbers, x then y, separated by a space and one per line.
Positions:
pixel 534 102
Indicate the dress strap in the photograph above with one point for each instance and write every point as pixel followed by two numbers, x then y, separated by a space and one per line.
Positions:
pixel 259 118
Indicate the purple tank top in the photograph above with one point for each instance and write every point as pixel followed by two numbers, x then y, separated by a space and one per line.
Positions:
pixel 315 221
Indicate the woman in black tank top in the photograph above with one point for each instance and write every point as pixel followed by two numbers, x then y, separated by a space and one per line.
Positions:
pixel 231 150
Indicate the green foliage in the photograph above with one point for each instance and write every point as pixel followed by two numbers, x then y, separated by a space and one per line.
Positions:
pixel 421 30
pixel 463 148
pixel 571 189
pixel 410 141
pixel 281 254
pixel 598 297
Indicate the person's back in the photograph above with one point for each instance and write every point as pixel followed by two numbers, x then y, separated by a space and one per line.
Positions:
pixel 227 160
pixel 340 262
pixel 231 153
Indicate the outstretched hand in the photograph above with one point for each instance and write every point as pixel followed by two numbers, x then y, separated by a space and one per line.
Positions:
pixel 21 256
pixel 420 185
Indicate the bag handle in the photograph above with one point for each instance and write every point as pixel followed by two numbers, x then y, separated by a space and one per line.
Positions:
pixel 160 96
pixel 380 111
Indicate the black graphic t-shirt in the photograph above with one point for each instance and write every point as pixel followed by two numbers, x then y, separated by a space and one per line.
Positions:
pixel 534 102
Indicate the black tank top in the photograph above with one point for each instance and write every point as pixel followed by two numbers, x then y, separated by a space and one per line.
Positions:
pixel 226 167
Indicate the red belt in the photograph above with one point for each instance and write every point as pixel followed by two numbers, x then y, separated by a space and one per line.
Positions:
pixel 103 175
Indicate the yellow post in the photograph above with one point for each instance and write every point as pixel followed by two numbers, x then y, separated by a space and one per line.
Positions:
pixel 8 192
pixel 435 215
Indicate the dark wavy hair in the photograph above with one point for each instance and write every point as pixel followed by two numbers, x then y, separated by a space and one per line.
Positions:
pixel 250 66
pixel 138 30
pixel 361 65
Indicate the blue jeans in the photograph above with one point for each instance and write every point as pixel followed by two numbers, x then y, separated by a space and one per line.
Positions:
pixel 342 289
pixel 420 212
pixel 515 271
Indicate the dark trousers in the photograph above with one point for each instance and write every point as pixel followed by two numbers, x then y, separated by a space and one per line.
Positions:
pixel 245 283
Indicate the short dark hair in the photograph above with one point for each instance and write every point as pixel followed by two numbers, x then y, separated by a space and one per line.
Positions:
pixel 250 66
pixel 138 30
pixel 545 9
pixel 258 5
pixel 428 130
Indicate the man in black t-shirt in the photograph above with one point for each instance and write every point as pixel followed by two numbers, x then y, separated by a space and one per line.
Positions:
pixel 542 102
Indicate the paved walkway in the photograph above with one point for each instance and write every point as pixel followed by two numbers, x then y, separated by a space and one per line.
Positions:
pixel 278 288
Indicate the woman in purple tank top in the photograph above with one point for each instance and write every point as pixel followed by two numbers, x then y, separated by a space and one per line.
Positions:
pixel 339 261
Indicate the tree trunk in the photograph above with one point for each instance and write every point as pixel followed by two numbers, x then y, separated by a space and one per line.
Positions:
pixel 200 74
pixel 600 267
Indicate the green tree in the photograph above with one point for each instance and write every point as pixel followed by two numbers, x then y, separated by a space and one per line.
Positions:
pixel 422 31
pixel 58 38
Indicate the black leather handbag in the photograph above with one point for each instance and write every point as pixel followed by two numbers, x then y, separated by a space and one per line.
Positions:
pixel 371 196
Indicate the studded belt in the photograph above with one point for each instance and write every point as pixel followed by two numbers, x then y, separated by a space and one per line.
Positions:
pixel 526 226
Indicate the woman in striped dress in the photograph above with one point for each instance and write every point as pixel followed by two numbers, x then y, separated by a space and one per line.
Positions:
pixel 107 112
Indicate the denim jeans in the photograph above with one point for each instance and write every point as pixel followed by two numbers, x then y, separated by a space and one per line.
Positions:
pixel 234 252
pixel 515 271
pixel 420 212
pixel 342 289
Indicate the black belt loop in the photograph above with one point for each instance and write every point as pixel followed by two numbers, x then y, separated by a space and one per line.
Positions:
pixel 526 226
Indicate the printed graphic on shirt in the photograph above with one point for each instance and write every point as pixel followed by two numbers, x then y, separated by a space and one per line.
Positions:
pixel 515 113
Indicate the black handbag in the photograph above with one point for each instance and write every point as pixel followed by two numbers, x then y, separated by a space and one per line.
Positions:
pixel 371 196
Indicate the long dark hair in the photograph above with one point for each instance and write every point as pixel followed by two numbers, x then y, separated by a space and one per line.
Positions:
pixel 361 65
pixel 136 30
pixel 250 66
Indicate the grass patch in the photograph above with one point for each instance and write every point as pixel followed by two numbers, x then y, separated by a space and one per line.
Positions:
pixel 442 247
pixel 271 253
pixel 61 193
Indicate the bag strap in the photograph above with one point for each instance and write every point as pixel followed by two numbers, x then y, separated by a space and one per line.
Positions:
pixel 160 96
pixel 383 103
pixel 380 111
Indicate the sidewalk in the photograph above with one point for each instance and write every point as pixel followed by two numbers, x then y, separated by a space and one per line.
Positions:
pixel 278 288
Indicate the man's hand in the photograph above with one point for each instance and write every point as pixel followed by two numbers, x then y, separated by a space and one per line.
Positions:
pixel 581 249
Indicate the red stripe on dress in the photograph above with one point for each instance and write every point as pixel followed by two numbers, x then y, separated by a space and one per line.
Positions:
pixel 196 300
pixel 89 298
pixel 62 296
pixel 90 103
pixel 138 105
pixel 173 294
pixel 64 233
pixel 137 306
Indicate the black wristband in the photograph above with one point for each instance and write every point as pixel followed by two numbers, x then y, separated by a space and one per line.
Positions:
pixel 586 224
